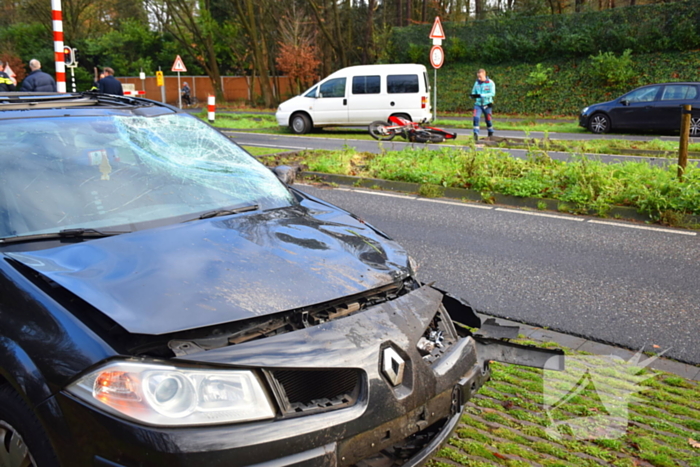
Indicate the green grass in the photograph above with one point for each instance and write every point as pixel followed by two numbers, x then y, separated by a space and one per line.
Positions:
pixel 261 151
pixel 580 186
pixel 492 432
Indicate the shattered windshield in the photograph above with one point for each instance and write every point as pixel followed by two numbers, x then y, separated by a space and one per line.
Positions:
pixel 98 172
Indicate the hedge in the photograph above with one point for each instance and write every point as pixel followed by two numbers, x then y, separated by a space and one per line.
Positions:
pixel 570 88
pixel 644 29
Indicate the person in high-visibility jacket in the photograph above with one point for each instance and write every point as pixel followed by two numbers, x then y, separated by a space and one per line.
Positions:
pixel 483 91
pixel 6 83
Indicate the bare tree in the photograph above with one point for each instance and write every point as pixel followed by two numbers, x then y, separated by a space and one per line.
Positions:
pixel 192 26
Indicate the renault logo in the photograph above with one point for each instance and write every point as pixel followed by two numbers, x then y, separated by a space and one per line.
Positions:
pixel 392 366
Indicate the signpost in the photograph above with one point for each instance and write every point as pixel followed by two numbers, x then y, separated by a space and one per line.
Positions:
pixel 437 56
pixel 179 66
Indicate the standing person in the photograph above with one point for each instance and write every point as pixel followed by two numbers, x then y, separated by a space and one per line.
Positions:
pixel 6 83
pixel 483 91
pixel 186 94
pixel 38 81
pixel 96 83
pixel 109 84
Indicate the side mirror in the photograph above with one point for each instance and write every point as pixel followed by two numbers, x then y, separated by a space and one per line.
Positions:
pixel 625 102
pixel 286 174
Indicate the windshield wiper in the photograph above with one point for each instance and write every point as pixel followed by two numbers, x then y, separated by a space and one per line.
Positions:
pixel 227 212
pixel 65 233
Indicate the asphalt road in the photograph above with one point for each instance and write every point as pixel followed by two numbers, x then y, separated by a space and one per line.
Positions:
pixel 615 282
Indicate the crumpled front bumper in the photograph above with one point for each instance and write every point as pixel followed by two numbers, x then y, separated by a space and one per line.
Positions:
pixel 394 419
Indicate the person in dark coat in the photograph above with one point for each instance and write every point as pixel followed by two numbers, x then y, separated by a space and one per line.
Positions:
pixel 6 83
pixel 109 84
pixel 38 81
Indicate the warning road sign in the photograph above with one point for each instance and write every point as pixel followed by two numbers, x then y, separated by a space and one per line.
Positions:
pixel 437 32
pixel 178 65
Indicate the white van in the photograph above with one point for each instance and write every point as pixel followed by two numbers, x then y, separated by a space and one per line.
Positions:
pixel 359 95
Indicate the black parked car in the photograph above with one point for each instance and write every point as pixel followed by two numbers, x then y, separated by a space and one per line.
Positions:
pixel 656 108
pixel 165 299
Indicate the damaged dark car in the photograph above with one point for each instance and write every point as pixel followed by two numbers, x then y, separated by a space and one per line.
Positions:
pixel 166 299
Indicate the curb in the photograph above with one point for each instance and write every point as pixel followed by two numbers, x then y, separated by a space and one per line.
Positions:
pixel 683 370
pixel 615 212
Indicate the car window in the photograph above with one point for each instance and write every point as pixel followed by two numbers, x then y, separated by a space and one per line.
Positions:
pixel 333 88
pixel 98 172
pixel 642 95
pixel 311 92
pixel 398 84
pixel 678 92
pixel 365 84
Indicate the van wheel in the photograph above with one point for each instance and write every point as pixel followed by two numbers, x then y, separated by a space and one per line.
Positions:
pixel 695 126
pixel 300 124
pixel 23 440
pixel 404 116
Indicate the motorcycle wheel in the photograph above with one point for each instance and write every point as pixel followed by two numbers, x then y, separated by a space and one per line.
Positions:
pixel 379 130
pixel 428 137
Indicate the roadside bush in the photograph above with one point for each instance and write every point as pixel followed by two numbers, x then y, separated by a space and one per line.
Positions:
pixel 539 79
pixel 608 70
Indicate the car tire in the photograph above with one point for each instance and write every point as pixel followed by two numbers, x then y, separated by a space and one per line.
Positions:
pixel 24 441
pixel 695 126
pixel 377 131
pixel 300 124
pixel 599 123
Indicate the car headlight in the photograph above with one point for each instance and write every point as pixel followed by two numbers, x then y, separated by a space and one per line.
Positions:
pixel 171 396
pixel 584 111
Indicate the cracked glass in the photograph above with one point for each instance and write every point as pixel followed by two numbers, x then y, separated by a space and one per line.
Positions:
pixel 107 171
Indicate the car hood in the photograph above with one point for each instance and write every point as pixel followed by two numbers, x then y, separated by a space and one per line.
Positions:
pixel 209 272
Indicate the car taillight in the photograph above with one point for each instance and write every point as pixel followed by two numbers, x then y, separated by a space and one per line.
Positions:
pixel 423 102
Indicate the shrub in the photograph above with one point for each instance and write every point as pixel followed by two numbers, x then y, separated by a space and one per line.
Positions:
pixel 609 70
pixel 539 78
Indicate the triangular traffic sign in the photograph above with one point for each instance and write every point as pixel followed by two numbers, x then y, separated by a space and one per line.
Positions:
pixel 178 65
pixel 437 32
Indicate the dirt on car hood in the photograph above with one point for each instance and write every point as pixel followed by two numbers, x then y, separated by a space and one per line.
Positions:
pixel 213 271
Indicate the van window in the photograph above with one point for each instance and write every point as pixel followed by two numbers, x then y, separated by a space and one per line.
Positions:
pixel 365 84
pixel 333 88
pixel 397 84
pixel 312 92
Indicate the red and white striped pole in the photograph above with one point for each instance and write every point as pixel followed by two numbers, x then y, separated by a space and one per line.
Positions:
pixel 211 107
pixel 57 18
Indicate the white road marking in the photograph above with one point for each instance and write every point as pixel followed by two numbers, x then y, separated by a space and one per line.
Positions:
pixel 540 214
pixel 270 146
pixel 466 205
pixel 642 227
pixel 517 211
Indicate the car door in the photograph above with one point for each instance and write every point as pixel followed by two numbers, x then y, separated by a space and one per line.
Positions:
pixel 331 104
pixel 673 98
pixel 634 110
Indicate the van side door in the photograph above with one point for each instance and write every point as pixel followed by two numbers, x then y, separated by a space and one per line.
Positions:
pixel 331 104
pixel 366 103
pixel 404 94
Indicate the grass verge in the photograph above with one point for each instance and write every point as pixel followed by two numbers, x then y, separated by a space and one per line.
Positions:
pixel 513 419
pixel 583 185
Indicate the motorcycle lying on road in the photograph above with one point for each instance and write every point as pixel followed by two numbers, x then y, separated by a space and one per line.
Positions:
pixel 412 131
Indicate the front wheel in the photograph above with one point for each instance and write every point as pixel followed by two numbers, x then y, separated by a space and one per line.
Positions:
pixel 24 441
pixel 381 131
pixel 300 124
pixel 599 123
pixel 695 126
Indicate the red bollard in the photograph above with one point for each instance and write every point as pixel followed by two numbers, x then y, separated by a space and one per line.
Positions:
pixel 211 107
